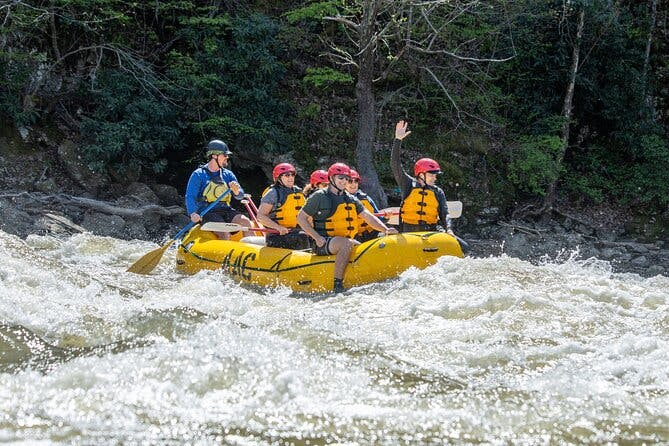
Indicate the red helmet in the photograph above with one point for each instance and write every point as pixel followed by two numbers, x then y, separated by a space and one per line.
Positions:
pixel 282 168
pixel 339 169
pixel 318 176
pixel 426 165
pixel 355 175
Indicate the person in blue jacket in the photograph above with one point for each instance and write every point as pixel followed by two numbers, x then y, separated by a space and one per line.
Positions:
pixel 208 182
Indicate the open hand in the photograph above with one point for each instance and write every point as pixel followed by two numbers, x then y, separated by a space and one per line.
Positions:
pixel 401 130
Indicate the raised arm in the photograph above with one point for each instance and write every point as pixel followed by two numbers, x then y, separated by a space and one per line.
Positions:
pixel 401 178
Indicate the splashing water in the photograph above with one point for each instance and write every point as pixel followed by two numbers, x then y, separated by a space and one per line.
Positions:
pixel 494 351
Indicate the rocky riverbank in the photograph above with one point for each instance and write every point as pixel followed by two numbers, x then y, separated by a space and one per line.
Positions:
pixel 156 213
pixel 548 241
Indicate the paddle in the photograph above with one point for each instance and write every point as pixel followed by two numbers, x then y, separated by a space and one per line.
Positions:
pixel 148 261
pixel 454 211
pixel 216 226
pixel 252 211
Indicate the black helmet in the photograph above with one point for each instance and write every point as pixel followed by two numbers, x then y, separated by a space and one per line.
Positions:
pixel 217 147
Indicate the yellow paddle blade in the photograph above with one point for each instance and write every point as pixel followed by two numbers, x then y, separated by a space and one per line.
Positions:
pixel 148 261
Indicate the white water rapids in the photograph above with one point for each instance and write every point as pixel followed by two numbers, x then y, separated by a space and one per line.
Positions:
pixel 468 351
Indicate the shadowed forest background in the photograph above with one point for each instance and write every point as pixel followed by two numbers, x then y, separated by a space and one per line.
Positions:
pixel 526 104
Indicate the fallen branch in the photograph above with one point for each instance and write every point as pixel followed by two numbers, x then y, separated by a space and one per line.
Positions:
pixel 576 219
pixel 108 208
pixel 98 205
pixel 523 229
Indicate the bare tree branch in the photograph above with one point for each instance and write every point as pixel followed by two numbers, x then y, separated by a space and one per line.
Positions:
pixel 344 21
pixel 457 56
pixel 445 90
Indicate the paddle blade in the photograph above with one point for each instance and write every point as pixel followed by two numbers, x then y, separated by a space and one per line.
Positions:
pixel 454 209
pixel 217 226
pixel 149 261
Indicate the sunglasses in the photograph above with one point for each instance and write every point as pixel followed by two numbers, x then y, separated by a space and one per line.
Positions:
pixel 288 174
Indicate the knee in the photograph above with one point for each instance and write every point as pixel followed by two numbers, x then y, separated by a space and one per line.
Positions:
pixel 348 244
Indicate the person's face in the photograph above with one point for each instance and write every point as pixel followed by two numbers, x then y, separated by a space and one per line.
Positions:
pixel 430 178
pixel 340 181
pixel 352 186
pixel 322 185
pixel 222 159
pixel 287 179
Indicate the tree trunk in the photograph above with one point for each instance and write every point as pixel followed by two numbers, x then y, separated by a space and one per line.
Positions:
pixel 364 94
pixel 566 114
pixel 646 60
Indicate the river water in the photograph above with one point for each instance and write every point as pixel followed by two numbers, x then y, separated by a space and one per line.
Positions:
pixel 468 351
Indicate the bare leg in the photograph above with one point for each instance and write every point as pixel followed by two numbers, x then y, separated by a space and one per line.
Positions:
pixel 341 247
pixel 244 221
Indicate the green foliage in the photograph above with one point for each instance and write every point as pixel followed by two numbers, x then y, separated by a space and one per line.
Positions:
pixel 130 126
pixel 226 74
pixel 15 72
pixel 310 111
pixel 534 165
pixel 315 10
pixel 326 77
pixel 154 77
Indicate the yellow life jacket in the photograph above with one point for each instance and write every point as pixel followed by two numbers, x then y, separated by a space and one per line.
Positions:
pixel 343 221
pixel 420 207
pixel 363 226
pixel 287 206
pixel 214 188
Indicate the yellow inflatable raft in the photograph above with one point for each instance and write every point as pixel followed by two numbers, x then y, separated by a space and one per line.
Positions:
pixel 379 259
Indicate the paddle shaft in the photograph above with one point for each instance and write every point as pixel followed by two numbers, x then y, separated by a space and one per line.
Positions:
pixel 253 211
pixel 454 210
pixel 146 263
pixel 204 211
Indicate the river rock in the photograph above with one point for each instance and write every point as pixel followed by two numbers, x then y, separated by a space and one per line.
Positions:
pixel 104 224
pixel 517 245
pixel 655 270
pixel 640 262
pixel 638 248
pixel 142 193
pixel 15 221
pixel 135 230
pixel 168 195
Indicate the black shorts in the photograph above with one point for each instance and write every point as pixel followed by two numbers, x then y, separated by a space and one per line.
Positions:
pixel 367 236
pixel 293 240
pixel 223 215
pixel 323 250
pixel 406 227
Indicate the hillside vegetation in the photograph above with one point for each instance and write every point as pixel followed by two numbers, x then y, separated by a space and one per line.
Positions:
pixel 526 101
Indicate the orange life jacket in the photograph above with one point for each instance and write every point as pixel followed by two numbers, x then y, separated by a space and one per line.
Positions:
pixel 420 207
pixel 363 226
pixel 287 206
pixel 342 221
